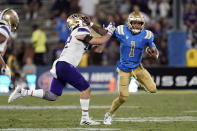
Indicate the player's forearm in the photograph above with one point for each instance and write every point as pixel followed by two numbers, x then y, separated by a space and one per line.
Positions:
pixel 3 64
pixel 98 29
pixel 100 40
pixel 156 52
pixel 3 52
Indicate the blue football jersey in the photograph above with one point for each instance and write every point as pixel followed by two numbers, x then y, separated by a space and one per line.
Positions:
pixel 132 47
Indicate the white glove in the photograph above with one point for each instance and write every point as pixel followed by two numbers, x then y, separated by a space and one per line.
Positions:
pixel 6 71
pixel 110 28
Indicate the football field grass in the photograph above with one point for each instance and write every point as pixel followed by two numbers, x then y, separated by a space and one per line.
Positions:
pixel 163 111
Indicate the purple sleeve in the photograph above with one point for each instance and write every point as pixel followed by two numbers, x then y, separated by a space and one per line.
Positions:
pixel 83 30
pixel 6 29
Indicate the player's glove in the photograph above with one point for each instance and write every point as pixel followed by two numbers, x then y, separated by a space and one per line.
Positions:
pixel 6 71
pixel 110 28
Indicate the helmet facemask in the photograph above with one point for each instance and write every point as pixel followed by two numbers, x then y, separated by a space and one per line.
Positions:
pixel 135 22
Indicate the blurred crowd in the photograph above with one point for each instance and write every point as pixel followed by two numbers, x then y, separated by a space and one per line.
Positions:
pixel 24 57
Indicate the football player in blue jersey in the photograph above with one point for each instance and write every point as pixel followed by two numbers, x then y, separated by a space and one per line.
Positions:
pixel 133 40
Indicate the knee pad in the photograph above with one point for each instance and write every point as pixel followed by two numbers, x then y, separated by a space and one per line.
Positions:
pixel 50 96
pixel 123 98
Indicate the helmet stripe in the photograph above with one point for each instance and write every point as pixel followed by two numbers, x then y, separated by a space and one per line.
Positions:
pixel 140 16
pixel 133 15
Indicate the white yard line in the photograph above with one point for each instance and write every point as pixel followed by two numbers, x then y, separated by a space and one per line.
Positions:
pixel 3 107
pixel 136 119
pixel 60 129
pixel 139 119
pixel 156 119
pixel 191 111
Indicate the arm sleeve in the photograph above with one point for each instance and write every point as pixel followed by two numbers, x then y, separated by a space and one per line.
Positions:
pixel 84 31
pixel 153 44
pixel 5 31
pixel 119 32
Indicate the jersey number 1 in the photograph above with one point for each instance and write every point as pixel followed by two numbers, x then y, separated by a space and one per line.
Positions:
pixel 132 49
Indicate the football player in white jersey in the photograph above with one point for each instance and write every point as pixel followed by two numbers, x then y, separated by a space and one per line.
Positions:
pixel 9 21
pixel 64 69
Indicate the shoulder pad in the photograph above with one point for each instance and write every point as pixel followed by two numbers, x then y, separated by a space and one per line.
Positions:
pixel 120 30
pixel 82 29
pixel 148 34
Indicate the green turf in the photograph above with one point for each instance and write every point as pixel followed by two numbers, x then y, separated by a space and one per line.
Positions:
pixel 163 104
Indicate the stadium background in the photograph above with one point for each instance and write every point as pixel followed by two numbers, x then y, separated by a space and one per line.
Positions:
pixel 174 28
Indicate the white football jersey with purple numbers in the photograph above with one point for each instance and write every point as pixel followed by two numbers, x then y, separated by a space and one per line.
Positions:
pixel 74 49
pixel 4 30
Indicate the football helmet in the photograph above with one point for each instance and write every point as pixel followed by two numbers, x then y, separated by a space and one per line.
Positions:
pixel 9 17
pixel 136 17
pixel 76 20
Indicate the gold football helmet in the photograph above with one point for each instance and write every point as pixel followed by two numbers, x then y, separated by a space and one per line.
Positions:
pixel 135 17
pixel 76 20
pixel 10 18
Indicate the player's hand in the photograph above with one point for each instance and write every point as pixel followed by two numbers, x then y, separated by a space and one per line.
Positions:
pixel 152 52
pixel 86 19
pixel 110 28
pixel 6 71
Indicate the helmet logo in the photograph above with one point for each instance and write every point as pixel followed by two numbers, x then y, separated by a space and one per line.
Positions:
pixel 74 16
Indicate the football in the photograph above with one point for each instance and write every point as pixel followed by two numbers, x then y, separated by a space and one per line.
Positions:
pixel 151 52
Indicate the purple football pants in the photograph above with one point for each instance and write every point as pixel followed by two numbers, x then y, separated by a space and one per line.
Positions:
pixel 67 73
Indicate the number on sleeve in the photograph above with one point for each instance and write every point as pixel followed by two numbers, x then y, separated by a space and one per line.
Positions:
pixel 68 39
pixel 132 49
